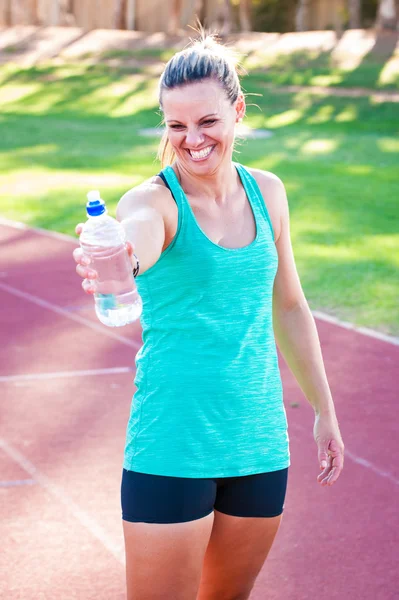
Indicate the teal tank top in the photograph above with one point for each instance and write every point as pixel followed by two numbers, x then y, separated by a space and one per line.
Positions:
pixel 208 400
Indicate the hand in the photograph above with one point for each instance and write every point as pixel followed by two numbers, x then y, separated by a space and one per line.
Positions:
pixel 83 269
pixel 330 448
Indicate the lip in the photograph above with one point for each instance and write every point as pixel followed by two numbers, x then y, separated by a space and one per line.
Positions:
pixel 213 146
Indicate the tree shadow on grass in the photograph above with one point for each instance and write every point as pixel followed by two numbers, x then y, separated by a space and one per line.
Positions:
pixel 314 67
pixel 368 71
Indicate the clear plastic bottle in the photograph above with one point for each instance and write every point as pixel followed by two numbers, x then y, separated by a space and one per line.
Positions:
pixel 102 239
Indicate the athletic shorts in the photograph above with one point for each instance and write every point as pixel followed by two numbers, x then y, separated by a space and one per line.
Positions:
pixel 162 499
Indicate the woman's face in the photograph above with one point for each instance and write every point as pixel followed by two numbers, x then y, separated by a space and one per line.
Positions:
pixel 200 122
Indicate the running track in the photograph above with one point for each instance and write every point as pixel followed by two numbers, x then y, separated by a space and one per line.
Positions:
pixel 66 383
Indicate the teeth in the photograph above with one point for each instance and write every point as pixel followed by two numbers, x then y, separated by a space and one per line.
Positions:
pixel 202 153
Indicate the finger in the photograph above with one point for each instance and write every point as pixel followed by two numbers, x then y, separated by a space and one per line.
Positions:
pixel 323 457
pixel 324 480
pixel 88 286
pixel 78 228
pixel 80 257
pixel 331 479
pixel 326 470
pixel 85 272
pixel 130 248
pixel 334 473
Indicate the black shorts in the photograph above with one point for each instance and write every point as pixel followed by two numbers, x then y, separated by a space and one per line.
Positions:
pixel 163 499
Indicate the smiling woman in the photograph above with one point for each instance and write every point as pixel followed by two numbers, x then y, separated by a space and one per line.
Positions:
pixel 207 451
pixel 204 60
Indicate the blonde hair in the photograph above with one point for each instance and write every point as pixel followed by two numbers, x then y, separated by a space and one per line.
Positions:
pixel 205 58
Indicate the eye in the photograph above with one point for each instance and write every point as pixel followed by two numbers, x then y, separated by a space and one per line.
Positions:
pixel 209 122
pixel 177 127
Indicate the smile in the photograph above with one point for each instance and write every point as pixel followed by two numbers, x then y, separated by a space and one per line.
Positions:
pixel 200 154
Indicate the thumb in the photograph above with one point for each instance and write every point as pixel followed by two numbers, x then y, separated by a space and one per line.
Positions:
pixel 130 248
pixel 323 456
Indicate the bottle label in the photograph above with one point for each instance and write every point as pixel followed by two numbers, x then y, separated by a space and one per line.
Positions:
pixel 106 302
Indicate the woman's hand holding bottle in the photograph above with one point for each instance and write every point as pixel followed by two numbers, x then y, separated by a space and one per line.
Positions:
pixel 104 261
pixel 84 269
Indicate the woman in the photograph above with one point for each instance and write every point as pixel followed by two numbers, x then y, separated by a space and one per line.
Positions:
pixel 207 453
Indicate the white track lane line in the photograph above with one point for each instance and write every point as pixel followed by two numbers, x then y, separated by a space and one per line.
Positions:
pixel 60 311
pixel 357 459
pixel 16 482
pixel 316 313
pixel 57 492
pixel 363 330
pixel 56 375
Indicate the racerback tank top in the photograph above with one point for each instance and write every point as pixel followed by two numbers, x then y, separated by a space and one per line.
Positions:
pixel 208 400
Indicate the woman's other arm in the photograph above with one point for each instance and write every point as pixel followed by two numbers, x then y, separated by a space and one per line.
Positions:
pixel 297 338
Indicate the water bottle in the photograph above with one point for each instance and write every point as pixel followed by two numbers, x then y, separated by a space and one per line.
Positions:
pixel 102 239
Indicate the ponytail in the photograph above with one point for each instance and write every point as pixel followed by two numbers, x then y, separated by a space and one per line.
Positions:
pixel 166 154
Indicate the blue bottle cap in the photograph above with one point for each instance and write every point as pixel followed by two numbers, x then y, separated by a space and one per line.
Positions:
pixel 95 205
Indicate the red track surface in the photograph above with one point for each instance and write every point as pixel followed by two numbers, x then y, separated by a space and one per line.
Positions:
pixel 62 439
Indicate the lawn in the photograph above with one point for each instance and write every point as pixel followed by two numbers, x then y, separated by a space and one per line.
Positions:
pixel 322 69
pixel 66 128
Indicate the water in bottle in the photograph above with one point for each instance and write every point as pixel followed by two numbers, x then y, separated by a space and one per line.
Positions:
pixel 117 301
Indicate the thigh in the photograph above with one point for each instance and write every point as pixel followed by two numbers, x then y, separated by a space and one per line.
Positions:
pixel 159 499
pixel 242 535
pixel 165 560
pixel 167 522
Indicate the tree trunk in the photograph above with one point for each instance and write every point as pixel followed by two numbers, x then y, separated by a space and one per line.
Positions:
pixel 119 14
pixel 245 15
pixel 175 17
pixel 227 17
pixel 354 14
pixel 6 13
pixel 55 12
pixel 386 14
pixel 131 14
pixel 200 11
pixel 339 15
pixel 302 20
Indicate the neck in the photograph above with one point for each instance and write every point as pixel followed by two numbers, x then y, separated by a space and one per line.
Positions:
pixel 217 186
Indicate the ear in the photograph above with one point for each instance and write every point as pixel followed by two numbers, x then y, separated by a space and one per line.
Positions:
pixel 240 107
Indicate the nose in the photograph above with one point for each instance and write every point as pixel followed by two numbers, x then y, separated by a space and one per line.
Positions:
pixel 194 138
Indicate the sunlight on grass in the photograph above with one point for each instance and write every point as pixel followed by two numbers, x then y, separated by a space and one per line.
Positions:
pixel 286 118
pixel 135 103
pixel 388 145
pixel 322 115
pixel 359 169
pixel 13 92
pixel 348 114
pixel 32 182
pixel 319 146
pixel 368 249
pixel 390 72
pixel 326 80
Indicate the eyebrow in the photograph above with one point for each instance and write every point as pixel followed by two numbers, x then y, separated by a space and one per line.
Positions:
pixel 201 119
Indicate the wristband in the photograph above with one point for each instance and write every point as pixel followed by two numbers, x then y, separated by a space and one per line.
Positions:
pixel 137 267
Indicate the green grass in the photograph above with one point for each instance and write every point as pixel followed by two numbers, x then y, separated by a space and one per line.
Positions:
pixel 140 54
pixel 65 129
pixel 321 69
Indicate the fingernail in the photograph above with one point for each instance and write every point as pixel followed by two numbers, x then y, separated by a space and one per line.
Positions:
pixel 323 464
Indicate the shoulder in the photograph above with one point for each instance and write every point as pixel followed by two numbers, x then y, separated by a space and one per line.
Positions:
pixel 150 195
pixel 274 196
